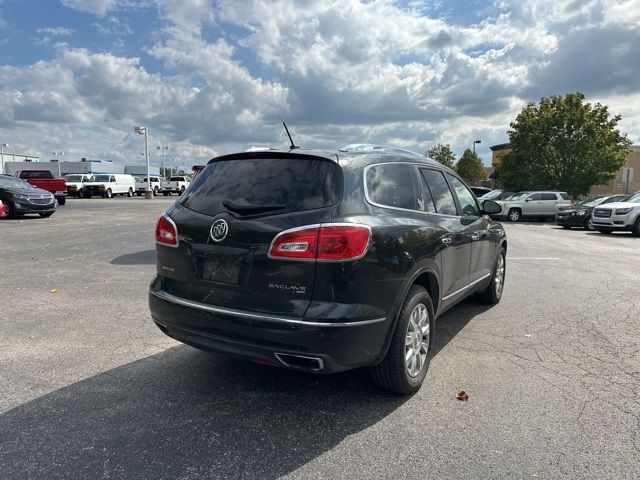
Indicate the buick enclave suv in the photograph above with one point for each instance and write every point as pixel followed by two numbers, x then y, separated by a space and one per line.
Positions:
pixel 324 261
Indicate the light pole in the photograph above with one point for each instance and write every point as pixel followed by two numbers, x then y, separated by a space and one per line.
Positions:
pixel 3 145
pixel 163 148
pixel 58 155
pixel 474 145
pixel 143 130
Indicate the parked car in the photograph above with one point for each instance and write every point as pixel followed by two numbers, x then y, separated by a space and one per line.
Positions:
pixel 20 198
pixel 542 205
pixel 108 185
pixel 324 261
pixel 480 191
pixel 580 214
pixel 75 183
pixel 498 194
pixel 622 215
pixel 3 210
pixel 157 184
pixel 177 185
pixel 45 180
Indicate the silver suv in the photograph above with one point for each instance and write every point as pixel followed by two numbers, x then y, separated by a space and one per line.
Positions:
pixel 543 205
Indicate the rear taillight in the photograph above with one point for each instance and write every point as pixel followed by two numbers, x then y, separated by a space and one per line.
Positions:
pixel 166 231
pixel 329 242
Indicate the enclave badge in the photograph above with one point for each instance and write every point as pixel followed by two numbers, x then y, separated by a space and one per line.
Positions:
pixel 219 230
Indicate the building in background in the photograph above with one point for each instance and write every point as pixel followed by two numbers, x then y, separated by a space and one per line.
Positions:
pixel 496 153
pixel 85 166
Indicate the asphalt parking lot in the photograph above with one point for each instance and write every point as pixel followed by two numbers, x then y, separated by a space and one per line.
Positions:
pixel 90 388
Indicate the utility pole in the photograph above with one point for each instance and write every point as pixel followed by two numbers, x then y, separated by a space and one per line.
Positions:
pixel 4 145
pixel 163 148
pixel 58 154
pixel 144 130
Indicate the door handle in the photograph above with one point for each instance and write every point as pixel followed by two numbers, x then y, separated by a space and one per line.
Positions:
pixel 447 240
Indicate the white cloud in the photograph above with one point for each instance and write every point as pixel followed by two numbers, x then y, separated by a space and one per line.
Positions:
pixel 339 71
pixel 96 7
pixel 56 31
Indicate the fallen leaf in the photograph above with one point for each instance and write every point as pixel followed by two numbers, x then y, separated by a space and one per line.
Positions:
pixel 54 290
pixel 462 395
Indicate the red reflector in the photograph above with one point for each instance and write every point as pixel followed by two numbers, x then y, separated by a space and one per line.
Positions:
pixel 166 231
pixel 327 242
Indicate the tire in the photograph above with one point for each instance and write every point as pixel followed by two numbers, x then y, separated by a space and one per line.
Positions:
pixel 130 192
pixel 87 195
pixel 138 193
pixel 606 231
pixel 155 191
pixel 11 211
pixel 566 227
pixel 588 224
pixel 165 194
pixel 514 214
pixel 108 193
pixel 61 200
pixel 79 194
pixel 635 230
pixel 45 215
pixel 493 293
pixel 393 374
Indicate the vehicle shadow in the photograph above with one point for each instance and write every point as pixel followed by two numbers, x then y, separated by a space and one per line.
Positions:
pixel 184 413
pixel 454 320
pixel 145 257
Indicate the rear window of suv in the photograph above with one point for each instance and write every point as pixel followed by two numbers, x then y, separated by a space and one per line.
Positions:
pixel 295 184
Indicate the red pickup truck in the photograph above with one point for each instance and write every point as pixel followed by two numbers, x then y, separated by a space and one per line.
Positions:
pixel 45 180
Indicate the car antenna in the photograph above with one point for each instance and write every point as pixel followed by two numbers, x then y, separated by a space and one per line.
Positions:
pixel 293 146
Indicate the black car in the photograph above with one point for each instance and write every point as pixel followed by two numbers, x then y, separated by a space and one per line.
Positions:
pixel 22 198
pixel 480 191
pixel 324 261
pixel 580 214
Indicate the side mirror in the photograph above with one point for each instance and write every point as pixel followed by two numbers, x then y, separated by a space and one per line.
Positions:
pixel 490 207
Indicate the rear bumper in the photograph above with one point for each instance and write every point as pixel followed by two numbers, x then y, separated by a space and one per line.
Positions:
pixel 259 337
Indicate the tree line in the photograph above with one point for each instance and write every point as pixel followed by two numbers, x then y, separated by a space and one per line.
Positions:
pixel 560 143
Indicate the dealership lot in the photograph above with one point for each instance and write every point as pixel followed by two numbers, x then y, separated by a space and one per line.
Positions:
pixel 90 388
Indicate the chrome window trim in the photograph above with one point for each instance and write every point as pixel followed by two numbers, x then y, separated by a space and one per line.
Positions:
pixel 161 294
pixel 484 277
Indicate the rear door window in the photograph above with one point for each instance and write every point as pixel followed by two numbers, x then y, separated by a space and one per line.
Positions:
pixel 549 196
pixel 282 184
pixel 565 196
pixel 394 185
pixel 440 191
pixel 535 196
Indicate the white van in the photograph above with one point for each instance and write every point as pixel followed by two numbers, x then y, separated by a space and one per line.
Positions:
pixel 108 185
pixel 75 183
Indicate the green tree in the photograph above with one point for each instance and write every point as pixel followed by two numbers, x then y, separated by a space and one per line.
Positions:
pixel 442 154
pixel 470 167
pixel 563 143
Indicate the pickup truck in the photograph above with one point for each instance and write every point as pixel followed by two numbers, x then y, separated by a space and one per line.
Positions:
pixel 176 185
pixel 45 180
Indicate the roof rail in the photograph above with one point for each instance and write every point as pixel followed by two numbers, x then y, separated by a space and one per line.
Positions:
pixel 371 147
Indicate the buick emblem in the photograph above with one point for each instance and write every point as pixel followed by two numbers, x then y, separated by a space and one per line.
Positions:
pixel 219 230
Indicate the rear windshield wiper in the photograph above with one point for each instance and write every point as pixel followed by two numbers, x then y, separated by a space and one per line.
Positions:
pixel 247 209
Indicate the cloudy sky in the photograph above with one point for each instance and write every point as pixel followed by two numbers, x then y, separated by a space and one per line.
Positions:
pixel 215 76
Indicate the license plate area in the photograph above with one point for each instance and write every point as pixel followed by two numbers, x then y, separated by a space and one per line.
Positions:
pixel 230 269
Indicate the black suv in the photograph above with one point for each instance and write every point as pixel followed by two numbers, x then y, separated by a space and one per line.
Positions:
pixel 324 261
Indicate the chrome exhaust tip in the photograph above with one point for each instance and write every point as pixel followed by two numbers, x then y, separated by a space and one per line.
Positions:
pixel 300 362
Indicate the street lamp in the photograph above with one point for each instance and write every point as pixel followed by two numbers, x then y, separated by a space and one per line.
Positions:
pixel 58 155
pixel 163 148
pixel 143 130
pixel 2 145
pixel 474 145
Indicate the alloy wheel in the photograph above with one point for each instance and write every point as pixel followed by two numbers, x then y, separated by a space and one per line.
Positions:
pixel 498 278
pixel 417 340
